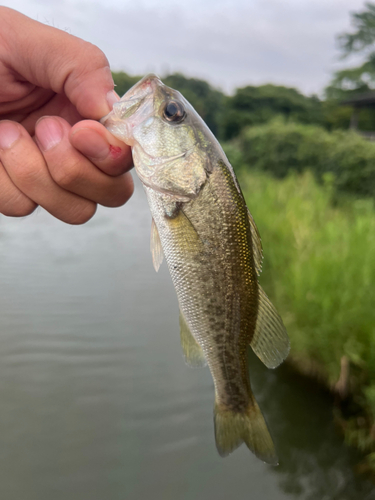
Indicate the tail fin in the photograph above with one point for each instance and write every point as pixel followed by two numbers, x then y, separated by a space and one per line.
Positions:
pixel 233 428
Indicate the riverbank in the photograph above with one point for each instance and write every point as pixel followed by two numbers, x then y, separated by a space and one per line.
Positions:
pixel 319 270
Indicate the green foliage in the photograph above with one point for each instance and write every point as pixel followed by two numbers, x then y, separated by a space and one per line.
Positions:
pixel 279 147
pixel 349 82
pixel 319 271
pixel 366 119
pixel 361 78
pixel 255 105
pixel 336 116
pixel 364 34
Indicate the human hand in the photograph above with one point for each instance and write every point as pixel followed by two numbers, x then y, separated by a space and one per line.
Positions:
pixel 50 80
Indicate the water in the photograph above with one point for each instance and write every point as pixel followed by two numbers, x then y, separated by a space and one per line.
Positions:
pixel 96 401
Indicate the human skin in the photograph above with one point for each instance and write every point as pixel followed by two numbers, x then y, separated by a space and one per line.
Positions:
pixel 53 152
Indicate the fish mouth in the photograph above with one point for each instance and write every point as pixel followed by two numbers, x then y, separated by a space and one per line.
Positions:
pixel 133 98
pixel 123 118
pixel 142 88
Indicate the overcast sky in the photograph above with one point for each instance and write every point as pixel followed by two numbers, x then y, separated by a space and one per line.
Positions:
pixel 228 42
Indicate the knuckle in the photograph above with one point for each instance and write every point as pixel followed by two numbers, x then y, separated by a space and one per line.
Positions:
pixel 26 209
pixel 66 176
pixel 118 191
pixel 82 213
pixel 97 56
pixel 26 175
pixel 18 206
pixel 92 58
pixel 119 199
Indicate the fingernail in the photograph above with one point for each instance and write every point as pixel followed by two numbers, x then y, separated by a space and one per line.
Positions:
pixel 49 133
pixel 9 133
pixel 112 97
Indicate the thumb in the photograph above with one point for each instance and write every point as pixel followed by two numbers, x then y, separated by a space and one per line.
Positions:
pixel 53 59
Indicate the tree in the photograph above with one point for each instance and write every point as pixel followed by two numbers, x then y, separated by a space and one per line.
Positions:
pixel 255 105
pixel 362 40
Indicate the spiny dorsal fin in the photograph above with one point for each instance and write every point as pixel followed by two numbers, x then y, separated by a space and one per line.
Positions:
pixel 270 341
pixel 193 352
pixel 155 247
pixel 256 244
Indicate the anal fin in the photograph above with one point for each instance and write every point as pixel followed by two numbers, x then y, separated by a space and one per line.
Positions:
pixel 270 341
pixel 193 352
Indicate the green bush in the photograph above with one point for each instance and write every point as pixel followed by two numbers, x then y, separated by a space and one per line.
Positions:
pixel 278 147
pixel 319 270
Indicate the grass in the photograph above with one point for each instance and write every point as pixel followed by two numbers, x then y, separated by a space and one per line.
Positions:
pixel 319 271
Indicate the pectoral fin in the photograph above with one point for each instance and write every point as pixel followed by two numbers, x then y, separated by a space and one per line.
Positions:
pixel 193 352
pixel 270 341
pixel 155 246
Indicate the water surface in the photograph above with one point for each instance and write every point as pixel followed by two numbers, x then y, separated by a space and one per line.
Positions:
pixel 96 401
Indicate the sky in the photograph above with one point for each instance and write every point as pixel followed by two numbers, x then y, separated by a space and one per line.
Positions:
pixel 230 43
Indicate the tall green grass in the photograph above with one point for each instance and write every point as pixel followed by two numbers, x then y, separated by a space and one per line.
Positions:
pixel 319 270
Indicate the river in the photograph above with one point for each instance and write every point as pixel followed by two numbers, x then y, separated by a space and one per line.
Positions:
pixel 96 400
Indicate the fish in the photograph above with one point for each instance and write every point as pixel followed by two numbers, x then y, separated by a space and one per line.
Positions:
pixel 204 230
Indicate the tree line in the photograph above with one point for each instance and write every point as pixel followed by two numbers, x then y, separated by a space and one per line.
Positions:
pixel 278 129
pixel 228 115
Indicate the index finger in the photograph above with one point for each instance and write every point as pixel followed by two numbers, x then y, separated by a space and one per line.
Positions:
pixel 53 59
pixel 108 153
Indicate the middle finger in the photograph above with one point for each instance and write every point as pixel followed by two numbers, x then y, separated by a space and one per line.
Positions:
pixel 72 171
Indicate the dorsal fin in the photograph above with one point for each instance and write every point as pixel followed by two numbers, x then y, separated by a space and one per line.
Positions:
pixel 270 341
pixel 256 244
pixel 155 247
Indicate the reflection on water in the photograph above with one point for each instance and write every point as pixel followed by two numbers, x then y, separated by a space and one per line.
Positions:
pixel 314 462
pixel 96 401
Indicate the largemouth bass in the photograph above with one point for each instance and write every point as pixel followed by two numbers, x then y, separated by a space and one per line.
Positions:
pixel 213 251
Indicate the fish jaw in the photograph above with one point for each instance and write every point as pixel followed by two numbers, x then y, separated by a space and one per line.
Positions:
pixel 133 108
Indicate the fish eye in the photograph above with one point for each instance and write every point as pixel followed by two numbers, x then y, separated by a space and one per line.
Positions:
pixel 174 112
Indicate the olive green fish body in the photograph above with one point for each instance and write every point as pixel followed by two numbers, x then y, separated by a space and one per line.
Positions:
pixel 212 247
pixel 207 247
